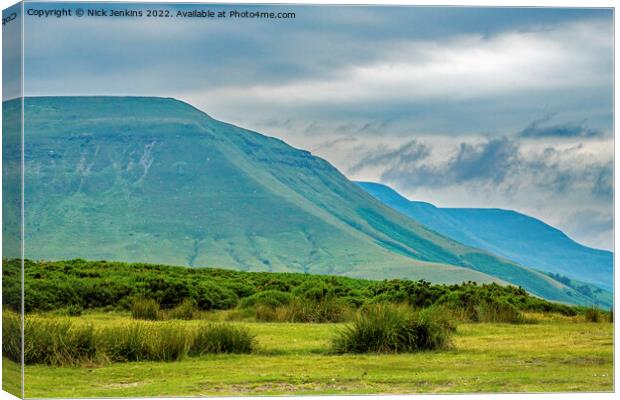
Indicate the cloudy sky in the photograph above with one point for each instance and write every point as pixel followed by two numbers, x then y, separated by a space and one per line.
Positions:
pixel 461 107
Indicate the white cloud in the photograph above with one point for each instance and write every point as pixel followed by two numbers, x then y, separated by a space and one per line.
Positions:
pixel 577 56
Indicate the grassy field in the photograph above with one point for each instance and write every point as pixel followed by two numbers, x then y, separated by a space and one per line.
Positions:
pixel 556 354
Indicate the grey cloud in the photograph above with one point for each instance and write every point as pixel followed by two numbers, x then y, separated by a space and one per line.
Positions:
pixel 539 129
pixel 597 227
pixel 603 183
pixel 566 186
pixel 402 158
pixel 490 161
pixel 333 143
pixel 496 162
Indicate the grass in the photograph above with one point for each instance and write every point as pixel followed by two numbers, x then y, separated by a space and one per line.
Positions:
pixel 222 338
pixel 59 341
pixel 305 310
pixel 499 312
pixel 389 328
pixel 553 355
pixel 593 314
pixel 147 309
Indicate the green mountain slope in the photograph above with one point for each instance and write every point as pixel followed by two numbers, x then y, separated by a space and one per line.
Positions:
pixel 156 180
pixel 510 234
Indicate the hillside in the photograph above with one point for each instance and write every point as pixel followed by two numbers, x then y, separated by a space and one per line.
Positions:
pixel 156 180
pixel 518 237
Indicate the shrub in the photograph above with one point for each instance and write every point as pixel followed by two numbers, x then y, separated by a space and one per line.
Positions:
pixel 269 298
pixel 95 284
pixel 389 328
pixel 221 338
pixel 593 314
pixel 313 290
pixel 142 308
pixel 212 296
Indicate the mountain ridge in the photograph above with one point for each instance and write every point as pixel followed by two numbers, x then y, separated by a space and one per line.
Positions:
pixel 519 237
pixel 157 180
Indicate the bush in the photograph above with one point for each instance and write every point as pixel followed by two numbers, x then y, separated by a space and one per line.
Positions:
pixel 221 338
pixel 268 298
pixel 96 284
pixel 313 290
pixel 389 328
pixel 142 308
pixel 593 314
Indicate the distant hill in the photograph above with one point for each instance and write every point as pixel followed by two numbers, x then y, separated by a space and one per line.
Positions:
pixel 156 180
pixel 518 237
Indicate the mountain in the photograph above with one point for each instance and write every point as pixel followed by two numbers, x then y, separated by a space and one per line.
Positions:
pixel 515 236
pixel 156 180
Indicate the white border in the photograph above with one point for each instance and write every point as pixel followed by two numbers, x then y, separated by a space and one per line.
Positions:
pixel 482 3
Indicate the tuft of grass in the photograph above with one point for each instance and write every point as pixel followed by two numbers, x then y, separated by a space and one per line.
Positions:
pixel 498 311
pixel 12 335
pixel 540 362
pixel 75 310
pixel 222 338
pixel 142 341
pixel 169 342
pixel 186 310
pixel 304 310
pixel 128 343
pixel 143 308
pixel 58 342
pixel 593 314
pixel 390 328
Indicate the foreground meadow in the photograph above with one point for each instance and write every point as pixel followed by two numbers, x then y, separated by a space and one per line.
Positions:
pixel 554 355
pixel 105 329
